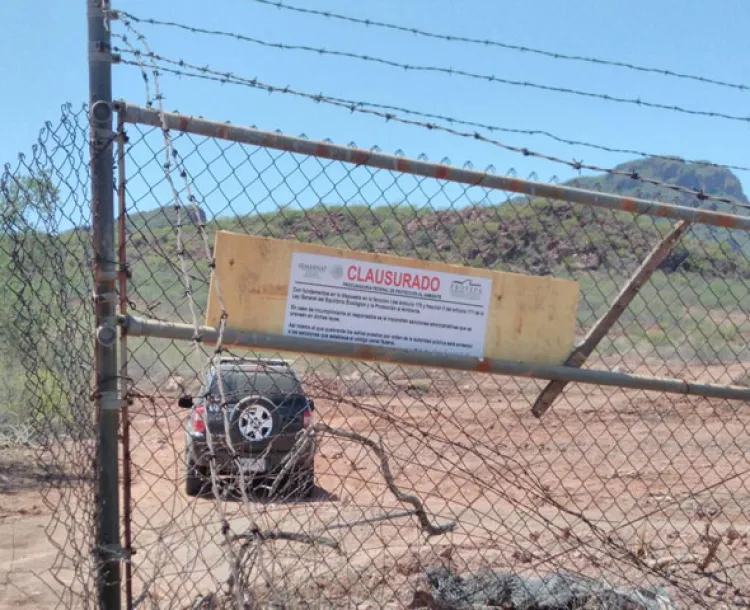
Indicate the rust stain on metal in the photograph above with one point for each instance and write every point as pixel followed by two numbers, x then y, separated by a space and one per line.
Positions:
pixel 321 150
pixel 364 352
pixel 629 205
pixel 183 123
pixel 360 157
pixel 483 366
pixel 702 217
pixel 727 223
pixel 442 172
pixel 224 132
pixel 515 186
pixel 402 165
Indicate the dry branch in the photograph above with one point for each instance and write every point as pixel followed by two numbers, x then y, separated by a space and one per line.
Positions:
pixel 713 548
pixel 419 511
pixel 289 536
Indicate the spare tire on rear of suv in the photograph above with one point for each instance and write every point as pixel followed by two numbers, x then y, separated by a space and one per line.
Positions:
pixel 256 420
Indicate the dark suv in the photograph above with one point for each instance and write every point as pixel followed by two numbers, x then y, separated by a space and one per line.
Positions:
pixel 266 411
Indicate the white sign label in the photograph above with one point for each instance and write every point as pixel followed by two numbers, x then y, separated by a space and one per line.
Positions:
pixel 338 299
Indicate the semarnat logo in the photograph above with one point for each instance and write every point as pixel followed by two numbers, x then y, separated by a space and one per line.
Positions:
pixel 466 289
pixel 311 269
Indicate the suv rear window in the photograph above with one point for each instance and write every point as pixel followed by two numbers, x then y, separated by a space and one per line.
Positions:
pixel 238 382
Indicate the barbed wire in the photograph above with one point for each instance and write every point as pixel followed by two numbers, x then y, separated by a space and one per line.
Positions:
pixel 490 78
pixel 206 73
pixel 547 134
pixel 170 153
pixel 503 45
pixel 550 135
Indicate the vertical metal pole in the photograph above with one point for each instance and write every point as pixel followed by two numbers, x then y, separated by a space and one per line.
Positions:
pixel 108 551
pixel 124 378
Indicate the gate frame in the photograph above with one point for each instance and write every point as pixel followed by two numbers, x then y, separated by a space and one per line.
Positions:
pixel 557 375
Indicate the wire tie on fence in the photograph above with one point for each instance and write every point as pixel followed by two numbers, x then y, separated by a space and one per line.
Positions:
pixel 103 274
pixel 116 551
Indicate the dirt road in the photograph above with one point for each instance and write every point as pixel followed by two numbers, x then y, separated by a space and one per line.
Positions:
pixel 634 488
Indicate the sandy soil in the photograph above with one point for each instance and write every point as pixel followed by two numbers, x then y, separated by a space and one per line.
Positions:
pixel 635 488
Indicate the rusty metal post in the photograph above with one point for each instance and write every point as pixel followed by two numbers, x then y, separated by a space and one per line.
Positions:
pixel 125 397
pixel 108 552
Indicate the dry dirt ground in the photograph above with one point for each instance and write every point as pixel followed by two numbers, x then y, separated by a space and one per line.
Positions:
pixel 638 489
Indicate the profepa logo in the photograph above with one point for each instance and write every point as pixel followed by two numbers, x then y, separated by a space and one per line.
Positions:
pixel 466 289
pixel 337 272
pixel 311 269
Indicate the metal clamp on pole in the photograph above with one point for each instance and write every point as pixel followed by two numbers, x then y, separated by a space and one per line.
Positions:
pixel 106 332
pixel 107 274
pixel 110 401
pixel 105 297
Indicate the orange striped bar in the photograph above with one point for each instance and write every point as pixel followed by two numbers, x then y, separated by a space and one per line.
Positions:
pixel 356 156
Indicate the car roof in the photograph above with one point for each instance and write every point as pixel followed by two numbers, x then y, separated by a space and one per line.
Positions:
pixel 256 368
pixel 257 362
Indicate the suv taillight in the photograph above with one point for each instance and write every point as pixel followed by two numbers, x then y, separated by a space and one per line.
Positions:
pixel 307 419
pixel 199 420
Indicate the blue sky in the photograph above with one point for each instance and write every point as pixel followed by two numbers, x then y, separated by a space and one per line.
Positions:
pixel 45 66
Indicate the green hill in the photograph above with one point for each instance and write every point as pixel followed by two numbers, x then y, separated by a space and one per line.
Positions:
pixel 699 176
pixel 163 217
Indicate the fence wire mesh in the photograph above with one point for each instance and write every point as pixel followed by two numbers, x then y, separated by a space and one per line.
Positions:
pixel 430 488
pixel 434 488
pixel 47 433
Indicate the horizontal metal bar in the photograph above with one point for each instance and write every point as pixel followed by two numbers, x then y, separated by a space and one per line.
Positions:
pixel 255 137
pixel 139 327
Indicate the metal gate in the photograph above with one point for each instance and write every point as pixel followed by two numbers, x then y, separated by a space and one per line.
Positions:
pixel 619 475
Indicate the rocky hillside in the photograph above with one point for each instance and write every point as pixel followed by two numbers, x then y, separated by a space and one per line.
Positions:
pixel 530 236
pixel 696 176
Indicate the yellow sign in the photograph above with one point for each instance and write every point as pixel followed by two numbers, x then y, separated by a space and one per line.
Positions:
pixel 315 292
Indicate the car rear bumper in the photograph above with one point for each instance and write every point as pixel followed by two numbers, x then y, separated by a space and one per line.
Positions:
pixel 257 462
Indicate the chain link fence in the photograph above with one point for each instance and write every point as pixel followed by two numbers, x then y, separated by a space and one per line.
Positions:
pixel 432 488
pixel 47 427
pixel 437 488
